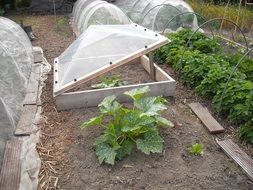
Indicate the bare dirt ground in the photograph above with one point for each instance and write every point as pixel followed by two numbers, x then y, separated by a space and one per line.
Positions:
pixel 68 156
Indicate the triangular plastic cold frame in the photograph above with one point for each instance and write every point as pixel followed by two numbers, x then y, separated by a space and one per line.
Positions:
pixel 100 49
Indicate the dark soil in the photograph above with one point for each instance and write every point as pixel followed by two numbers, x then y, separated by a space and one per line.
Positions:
pixel 68 156
pixel 128 74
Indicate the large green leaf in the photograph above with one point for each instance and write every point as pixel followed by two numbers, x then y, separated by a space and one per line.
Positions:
pixel 102 139
pixel 106 153
pixel 92 121
pixel 150 106
pixel 109 105
pixel 150 143
pixel 133 121
pixel 164 122
pixel 125 149
pixel 137 93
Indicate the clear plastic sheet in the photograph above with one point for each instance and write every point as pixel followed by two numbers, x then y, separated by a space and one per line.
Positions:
pixel 86 13
pixel 98 46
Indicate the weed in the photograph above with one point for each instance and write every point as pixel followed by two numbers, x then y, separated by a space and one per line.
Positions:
pixel 197 149
pixel 107 82
pixel 61 23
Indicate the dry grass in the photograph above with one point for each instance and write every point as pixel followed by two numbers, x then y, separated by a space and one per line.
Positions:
pixel 210 11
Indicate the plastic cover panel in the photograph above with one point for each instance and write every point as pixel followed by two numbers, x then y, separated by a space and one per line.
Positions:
pixel 87 12
pixel 156 14
pixel 98 46
pixel 17 44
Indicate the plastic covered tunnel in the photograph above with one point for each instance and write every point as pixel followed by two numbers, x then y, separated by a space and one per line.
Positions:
pixel 156 15
pixel 159 15
pixel 16 58
pixel 90 12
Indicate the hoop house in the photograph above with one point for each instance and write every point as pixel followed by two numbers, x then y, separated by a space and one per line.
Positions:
pixel 155 14
pixel 16 59
pixel 17 44
pixel 102 48
pixel 96 13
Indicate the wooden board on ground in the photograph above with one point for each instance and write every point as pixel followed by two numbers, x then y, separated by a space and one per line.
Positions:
pixel 238 155
pixel 206 118
pixel 24 126
pixel 33 86
pixel 11 167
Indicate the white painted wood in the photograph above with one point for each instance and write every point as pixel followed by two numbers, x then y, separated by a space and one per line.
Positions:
pixel 92 98
pixel 160 75
pixel 164 87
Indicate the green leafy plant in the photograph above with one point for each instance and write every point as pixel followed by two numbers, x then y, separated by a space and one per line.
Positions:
pixel 125 127
pixel 197 149
pixel 107 82
pixel 207 45
pixel 246 66
pixel 62 24
pixel 246 132
pixel 237 101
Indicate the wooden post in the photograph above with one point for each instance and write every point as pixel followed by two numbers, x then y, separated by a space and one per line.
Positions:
pixel 224 15
pixel 151 64
pixel 238 16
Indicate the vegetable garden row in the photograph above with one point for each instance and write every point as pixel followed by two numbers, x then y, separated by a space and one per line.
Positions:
pixel 206 67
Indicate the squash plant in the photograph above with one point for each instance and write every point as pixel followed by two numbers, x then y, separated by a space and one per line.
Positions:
pixel 128 127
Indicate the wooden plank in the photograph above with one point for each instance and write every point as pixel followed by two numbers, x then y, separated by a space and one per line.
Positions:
pixel 34 79
pixel 238 155
pixel 91 98
pixel 26 120
pixel 206 118
pixel 33 86
pixel 160 75
pixel 11 167
pixel 151 66
pixel 37 54
pixel 6 129
pixel 126 59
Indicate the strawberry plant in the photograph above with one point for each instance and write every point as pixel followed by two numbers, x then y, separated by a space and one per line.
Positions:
pixel 218 74
pixel 246 132
pixel 206 67
pixel 126 127
pixel 237 102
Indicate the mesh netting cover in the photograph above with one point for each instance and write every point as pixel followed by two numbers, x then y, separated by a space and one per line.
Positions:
pixel 158 15
pixel 16 57
pixel 90 12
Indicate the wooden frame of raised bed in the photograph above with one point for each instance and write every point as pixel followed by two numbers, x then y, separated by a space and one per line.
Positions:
pixel 164 85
